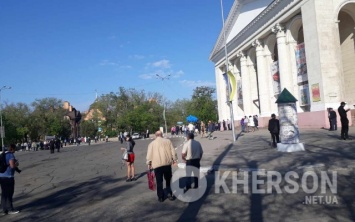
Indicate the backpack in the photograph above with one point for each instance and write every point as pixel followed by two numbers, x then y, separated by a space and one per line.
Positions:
pixel 3 165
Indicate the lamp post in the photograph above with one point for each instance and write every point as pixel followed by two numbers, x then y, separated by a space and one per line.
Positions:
pixel 2 129
pixel 162 81
pixel 229 102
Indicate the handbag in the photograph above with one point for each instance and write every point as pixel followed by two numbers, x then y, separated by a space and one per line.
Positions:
pixel 125 156
pixel 151 180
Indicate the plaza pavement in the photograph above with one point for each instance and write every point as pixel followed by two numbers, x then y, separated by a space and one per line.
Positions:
pixel 54 188
pixel 252 152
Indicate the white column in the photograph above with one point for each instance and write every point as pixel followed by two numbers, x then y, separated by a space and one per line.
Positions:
pixel 293 68
pixel 247 103
pixel 252 72
pixel 269 83
pixel 263 76
pixel 286 79
pixel 238 110
pixel 221 93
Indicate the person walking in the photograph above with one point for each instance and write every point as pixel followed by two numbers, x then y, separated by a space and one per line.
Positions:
pixel 246 124
pixel 58 144
pixel 332 119
pixel 130 161
pixel 251 124
pixel 203 129
pixel 256 122
pixel 344 121
pixel 160 156
pixel 192 153
pixel 210 129
pixel 242 125
pixel 52 145
pixel 7 181
pixel 274 129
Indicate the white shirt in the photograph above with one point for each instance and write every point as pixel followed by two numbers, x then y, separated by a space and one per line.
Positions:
pixel 193 150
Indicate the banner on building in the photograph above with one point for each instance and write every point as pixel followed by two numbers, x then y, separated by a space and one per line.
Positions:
pixel 315 93
pixel 275 74
pixel 225 77
pixel 240 92
pixel 304 95
pixel 301 63
pixel 232 85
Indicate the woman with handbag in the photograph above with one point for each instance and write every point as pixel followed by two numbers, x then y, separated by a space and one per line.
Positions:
pixel 128 156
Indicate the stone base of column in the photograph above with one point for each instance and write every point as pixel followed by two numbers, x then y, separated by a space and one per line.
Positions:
pixel 295 147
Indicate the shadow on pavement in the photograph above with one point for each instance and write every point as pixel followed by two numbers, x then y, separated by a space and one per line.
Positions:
pixel 70 198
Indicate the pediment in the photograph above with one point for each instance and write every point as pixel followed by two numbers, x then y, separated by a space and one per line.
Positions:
pixel 241 14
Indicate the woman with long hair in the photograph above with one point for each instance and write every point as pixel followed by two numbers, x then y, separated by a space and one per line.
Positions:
pixel 130 160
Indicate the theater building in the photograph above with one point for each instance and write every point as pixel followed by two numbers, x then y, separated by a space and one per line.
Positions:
pixel 305 46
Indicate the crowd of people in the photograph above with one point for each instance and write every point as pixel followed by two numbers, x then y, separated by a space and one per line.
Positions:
pixel 249 124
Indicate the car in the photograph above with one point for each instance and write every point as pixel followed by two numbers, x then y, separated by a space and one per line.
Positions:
pixel 136 136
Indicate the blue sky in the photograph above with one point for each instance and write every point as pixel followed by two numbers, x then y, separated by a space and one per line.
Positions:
pixel 69 49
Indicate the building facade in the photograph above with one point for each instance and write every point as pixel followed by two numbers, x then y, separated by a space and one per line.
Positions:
pixel 305 46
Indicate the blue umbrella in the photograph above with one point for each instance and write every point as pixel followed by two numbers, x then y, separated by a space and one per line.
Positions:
pixel 192 119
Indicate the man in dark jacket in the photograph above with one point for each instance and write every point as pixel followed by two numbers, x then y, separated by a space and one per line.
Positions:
pixel 344 121
pixel 274 129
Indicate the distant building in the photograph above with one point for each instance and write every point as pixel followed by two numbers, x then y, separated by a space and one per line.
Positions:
pixel 92 114
pixel 304 46
pixel 74 116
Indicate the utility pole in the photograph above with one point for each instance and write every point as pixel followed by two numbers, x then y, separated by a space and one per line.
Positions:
pixel 162 81
pixel 2 129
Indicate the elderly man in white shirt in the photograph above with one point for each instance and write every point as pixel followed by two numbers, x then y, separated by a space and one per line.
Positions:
pixel 192 153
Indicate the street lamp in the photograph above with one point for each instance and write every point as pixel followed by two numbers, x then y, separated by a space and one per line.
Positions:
pixel 2 130
pixel 162 81
pixel 229 102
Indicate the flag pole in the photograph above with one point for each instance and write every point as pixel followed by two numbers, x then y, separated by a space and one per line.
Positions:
pixel 229 102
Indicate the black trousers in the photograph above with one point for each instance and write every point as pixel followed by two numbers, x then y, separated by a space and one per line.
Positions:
pixel 160 173
pixel 333 124
pixel 275 138
pixel 7 192
pixel 344 129
pixel 195 170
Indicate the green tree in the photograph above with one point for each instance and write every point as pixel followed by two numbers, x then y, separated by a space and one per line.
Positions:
pixel 88 128
pixel 16 122
pixel 47 118
pixel 202 104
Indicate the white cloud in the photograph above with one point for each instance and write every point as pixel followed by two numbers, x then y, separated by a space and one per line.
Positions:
pixel 136 56
pixel 147 76
pixel 178 74
pixel 125 67
pixel 107 63
pixel 164 64
pixel 193 84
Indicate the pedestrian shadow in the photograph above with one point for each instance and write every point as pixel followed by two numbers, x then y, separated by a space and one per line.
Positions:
pixel 142 174
pixel 191 211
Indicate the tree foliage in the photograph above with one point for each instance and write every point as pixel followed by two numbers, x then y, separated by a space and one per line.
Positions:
pixel 127 110
pixel 43 117
pixel 202 104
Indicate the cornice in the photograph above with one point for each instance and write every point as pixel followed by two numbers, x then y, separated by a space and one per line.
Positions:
pixel 270 13
pixel 230 21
